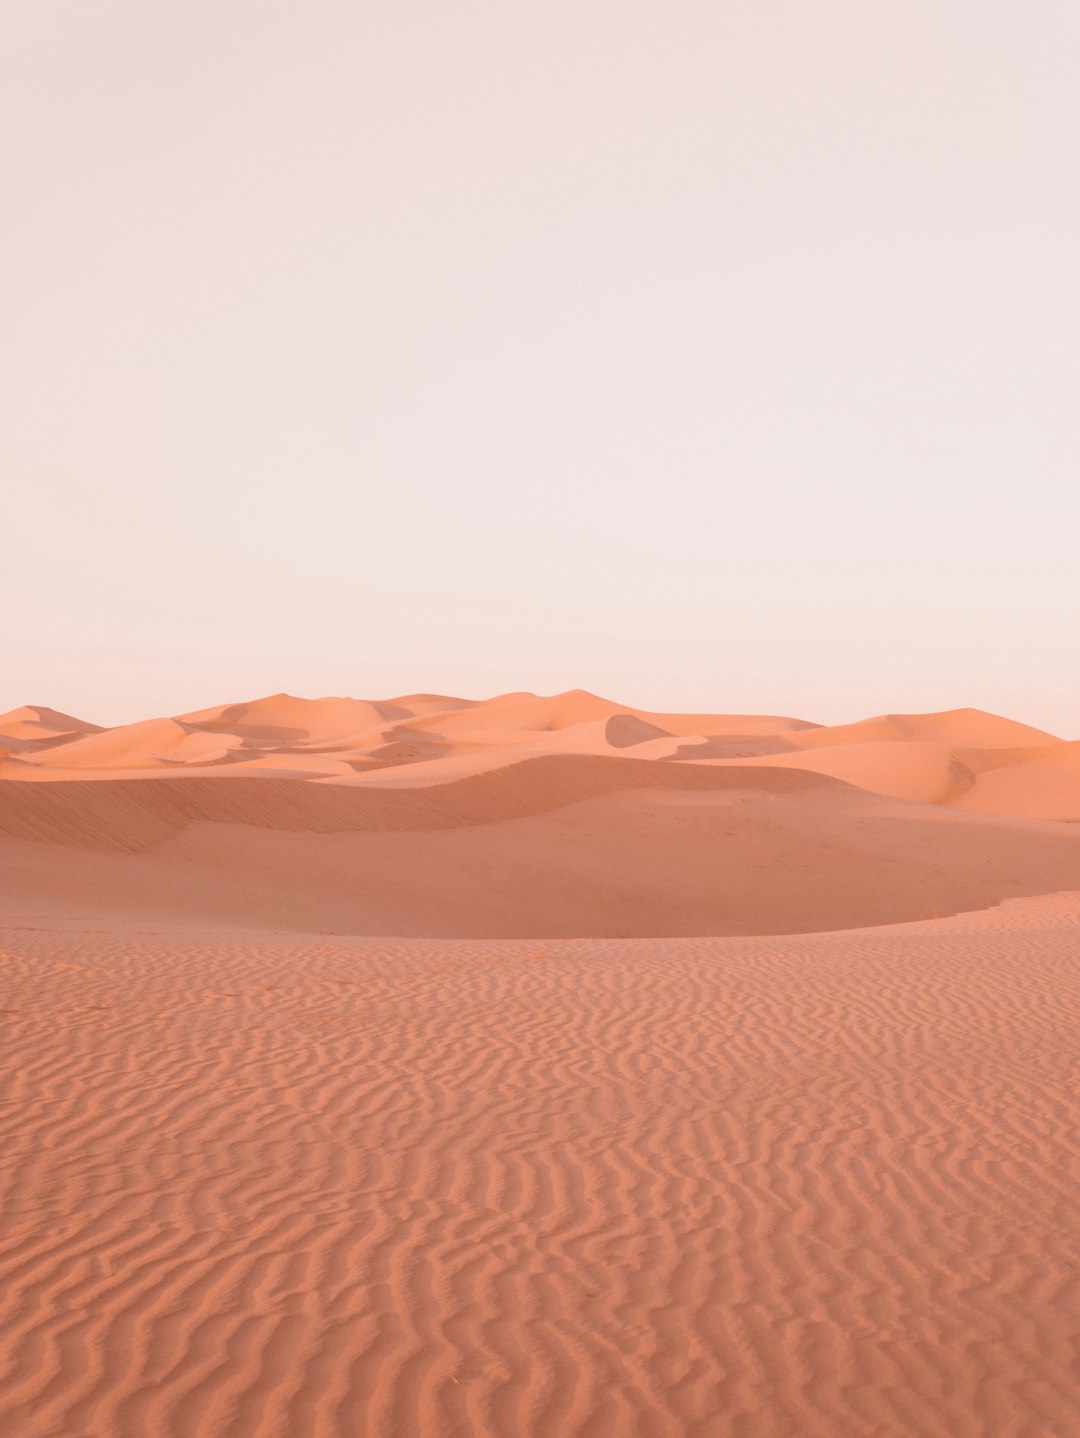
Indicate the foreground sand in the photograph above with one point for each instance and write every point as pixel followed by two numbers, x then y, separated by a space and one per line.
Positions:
pixel 269 1184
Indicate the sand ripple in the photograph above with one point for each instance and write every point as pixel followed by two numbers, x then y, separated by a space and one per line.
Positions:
pixel 266 1185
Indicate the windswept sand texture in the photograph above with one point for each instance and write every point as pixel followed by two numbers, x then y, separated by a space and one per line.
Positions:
pixel 260 1185
pixel 712 1075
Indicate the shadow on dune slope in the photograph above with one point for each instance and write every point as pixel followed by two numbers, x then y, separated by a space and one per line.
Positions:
pixel 557 846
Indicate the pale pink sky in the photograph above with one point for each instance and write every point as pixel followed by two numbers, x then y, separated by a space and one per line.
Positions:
pixel 708 355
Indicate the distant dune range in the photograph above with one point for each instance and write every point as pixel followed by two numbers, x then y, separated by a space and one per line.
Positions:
pixel 525 815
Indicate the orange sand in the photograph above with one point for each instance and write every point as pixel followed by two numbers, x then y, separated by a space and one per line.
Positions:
pixel 706 1172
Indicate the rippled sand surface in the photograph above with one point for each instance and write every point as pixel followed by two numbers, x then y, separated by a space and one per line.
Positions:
pixel 262 1184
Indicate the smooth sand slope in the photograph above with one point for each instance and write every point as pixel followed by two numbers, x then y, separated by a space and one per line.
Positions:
pixel 550 847
pixel 257 1186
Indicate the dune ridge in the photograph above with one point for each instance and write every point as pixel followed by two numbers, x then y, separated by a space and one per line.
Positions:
pixel 529 815
pixel 553 846
pixel 964 757
pixel 130 814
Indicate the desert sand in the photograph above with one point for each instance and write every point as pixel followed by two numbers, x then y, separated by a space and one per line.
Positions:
pixel 537 1066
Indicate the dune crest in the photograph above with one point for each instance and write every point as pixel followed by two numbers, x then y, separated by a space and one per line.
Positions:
pixel 429 739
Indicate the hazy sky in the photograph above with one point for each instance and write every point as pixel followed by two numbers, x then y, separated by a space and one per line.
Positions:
pixel 707 355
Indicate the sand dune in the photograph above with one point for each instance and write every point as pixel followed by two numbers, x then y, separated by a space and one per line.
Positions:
pixel 971 727
pixel 532 815
pixel 31 729
pixel 1045 781
pixel 557 845
pixel 736 1188
pixel 648 1114
pixel 1042 782
pixel 430 739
